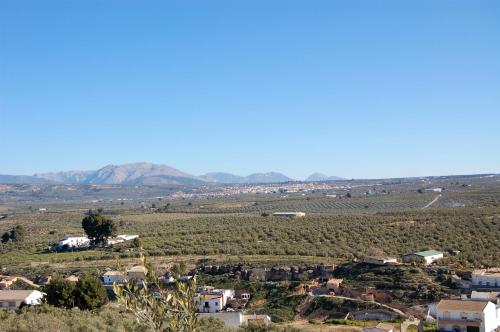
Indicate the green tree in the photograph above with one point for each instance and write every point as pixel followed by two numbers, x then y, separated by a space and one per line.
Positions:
pixel 18 233
pixel 167 207
pixel 178 270
pixel 136 242
pixel 90 293
pixel 5 237
pixel 98 228
pixel 60 292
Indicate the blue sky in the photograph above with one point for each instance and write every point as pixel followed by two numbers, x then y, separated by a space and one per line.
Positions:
pixel 357 89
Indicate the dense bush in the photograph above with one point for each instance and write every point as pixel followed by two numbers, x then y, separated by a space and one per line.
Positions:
pixel 87 293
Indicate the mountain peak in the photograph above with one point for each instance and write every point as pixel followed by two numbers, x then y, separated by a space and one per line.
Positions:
pixel 321 177
pixel 144 173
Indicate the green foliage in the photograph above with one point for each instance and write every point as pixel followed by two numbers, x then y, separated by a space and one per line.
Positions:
pixel 17 234
pixel 90 294
pixel 178 269
pixel 158 308
pixel 87 293
pixel 213 325
pixel 337 305
pixel 60 292
pixel 136 243
pixel 98 228
pixel 5 237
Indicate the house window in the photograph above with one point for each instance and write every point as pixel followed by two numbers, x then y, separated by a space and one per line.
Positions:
pixel 12 304
pixel 446 315
pixel 463 315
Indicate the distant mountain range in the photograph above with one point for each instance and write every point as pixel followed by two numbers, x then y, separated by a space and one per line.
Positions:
pixel 321 177
pixel 271 177
pixel 151 174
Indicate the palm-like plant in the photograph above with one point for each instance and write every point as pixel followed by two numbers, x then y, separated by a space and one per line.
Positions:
pixel 159 308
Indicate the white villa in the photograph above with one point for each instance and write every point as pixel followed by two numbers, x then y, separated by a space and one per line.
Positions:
pixel 74 242
pixel 467 316
pixel 13 299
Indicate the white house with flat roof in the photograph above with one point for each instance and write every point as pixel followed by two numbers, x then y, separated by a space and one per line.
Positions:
pixel 13 299
pixel 73 242
pixel 486 278
pixel 427 257
pixel 466 316
pixel 209 303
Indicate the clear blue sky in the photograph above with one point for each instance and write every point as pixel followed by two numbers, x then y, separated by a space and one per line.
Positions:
pixel 349 88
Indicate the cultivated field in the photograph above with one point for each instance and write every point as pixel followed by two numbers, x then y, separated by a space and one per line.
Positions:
pixel 326 236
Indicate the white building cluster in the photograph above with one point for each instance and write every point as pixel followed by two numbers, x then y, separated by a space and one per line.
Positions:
pixel 212 302
pixel 81 242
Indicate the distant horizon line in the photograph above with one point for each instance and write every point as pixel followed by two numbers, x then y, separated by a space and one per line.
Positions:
pixel 340 178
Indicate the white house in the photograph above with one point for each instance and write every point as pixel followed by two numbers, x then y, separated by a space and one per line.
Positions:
pixel 12 299
pixel 289 214
pixel 111 277
pixel 484 296
pixel 486 278
pixel 209 303
pixel 74 242
pixel 427 256
pixel 210 299
pixel 466 316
